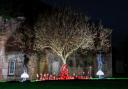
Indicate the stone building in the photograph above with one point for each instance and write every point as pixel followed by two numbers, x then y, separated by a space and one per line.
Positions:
pixel 12 63
pixel 12 60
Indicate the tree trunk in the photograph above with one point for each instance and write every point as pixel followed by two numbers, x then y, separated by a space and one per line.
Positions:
pixel 64 71
pixel 64 61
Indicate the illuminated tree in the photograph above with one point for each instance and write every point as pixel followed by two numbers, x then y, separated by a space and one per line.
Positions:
pixel 102 39
pixel 105 38
pixel 64 31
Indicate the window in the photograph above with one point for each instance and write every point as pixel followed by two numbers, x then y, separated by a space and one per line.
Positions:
pixel 11 67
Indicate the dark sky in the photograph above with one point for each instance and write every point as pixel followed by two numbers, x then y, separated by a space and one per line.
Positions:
pixel 113 13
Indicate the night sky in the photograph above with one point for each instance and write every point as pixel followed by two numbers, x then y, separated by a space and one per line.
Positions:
pixel 112 13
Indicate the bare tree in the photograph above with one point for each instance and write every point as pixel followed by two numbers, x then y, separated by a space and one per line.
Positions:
pixel 24 38
pixel 64 31
pixel 105 38
pixel 102 40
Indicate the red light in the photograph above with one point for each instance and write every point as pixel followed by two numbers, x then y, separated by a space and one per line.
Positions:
pixel 64 73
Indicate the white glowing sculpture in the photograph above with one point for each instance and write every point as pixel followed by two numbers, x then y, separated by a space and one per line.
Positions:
pixel 24 76
pixel 100 73
pixel 100 59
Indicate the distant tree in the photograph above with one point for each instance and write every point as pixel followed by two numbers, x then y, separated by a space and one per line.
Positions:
pixel 24 37
pixel 103 38
pixel 65 31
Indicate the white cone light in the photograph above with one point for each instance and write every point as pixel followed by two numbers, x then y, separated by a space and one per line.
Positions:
pixel 24 75
pixel 100 72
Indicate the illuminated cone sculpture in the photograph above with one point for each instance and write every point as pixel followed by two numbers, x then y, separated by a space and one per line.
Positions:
pixel 100 73
pixel 24 76
pixel 64 73
pixel 100 59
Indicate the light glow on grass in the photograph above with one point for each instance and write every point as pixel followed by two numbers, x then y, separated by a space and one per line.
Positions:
pixel 117 78
pixel 81 79
pixel 110 78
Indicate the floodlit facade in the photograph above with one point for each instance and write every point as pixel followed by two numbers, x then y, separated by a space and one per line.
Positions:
pixel 12 63
pixel 81 64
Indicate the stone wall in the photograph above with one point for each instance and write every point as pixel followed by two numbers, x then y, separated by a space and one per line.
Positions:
pixel 18 57
pixel 32 66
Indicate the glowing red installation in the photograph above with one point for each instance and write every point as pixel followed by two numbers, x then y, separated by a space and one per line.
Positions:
pixel 64 75
pixel 64 72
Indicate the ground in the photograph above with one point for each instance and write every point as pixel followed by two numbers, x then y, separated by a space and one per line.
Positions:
pixel 75 84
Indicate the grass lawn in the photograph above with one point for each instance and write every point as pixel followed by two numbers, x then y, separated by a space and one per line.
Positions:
pixel 69 84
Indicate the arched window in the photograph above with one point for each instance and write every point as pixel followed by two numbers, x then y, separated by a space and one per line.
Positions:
pixel 11 69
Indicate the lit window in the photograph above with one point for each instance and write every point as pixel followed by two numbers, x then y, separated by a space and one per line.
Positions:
pixel 11 68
